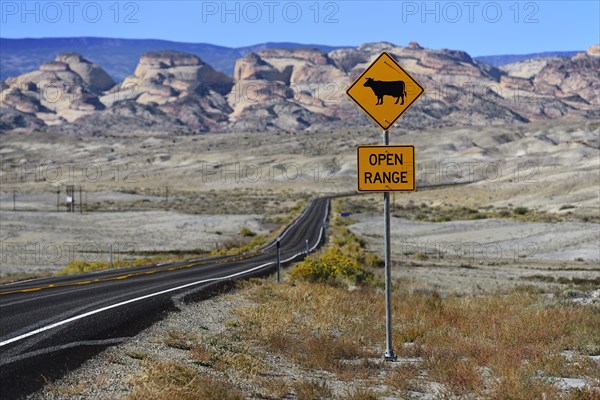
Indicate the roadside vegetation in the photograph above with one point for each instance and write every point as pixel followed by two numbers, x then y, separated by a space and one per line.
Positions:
pixel 250 242
pixel 343 262
pixel 22 276
pixel 247 243
pixel 243 200
pixel 325 325
pixel 425 212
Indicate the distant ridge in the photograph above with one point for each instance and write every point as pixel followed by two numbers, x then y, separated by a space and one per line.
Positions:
pixel 500 60
pixel 119 57
pixel 286 89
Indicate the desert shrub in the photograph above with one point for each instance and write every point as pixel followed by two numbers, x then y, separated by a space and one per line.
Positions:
pixel 504 213
pixel 247 232
pixel 331 267
pixel 521 210
pixel 420 256
pixel 372 260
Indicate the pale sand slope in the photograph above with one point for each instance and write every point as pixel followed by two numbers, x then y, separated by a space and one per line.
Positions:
pixel 547 166
pixel 541 165
pixel 482 255
pixel 51 240
pixel 493 238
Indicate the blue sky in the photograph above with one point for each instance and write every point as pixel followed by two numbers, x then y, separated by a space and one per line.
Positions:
pixel 479 27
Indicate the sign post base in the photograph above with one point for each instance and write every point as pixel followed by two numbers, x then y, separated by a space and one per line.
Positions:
pixel 390 356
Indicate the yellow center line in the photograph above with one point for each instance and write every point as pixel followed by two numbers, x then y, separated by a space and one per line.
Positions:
pixel 120 277
pixel 31 290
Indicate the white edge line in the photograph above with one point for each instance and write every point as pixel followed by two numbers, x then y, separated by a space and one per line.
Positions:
pixel 285 232
pixel 49 350
pixel 89 313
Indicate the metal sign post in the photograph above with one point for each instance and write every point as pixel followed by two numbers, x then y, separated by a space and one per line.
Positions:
pixel 384 91
pixel 278 261
pixel 389 352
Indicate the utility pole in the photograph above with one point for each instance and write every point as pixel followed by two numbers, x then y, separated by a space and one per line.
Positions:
pixel 80 201
pixel 58 200
pixel 167 197
pixel 14 199
pixel 306 245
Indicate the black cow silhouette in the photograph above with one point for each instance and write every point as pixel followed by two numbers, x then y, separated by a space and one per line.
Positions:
pixel 387 88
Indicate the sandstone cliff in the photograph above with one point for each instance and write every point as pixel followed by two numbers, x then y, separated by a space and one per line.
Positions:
pixel 296 89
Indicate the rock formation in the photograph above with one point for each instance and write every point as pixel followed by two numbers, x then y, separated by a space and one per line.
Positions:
pixel 61 90
pixel 295 89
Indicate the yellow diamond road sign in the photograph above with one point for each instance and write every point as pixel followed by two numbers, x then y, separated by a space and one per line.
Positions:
pixel 385 91
pixel 386 168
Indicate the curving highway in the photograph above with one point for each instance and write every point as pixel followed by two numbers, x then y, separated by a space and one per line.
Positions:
pixel 51 325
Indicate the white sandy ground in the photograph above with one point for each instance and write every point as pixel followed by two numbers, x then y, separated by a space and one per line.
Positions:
pixel 482 255
pixel 541 165
pixel 46 201
pixel 488 239
pixel 545 166
pixel 47 241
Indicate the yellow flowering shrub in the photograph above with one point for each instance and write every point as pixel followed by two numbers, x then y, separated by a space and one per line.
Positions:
pixel 331 267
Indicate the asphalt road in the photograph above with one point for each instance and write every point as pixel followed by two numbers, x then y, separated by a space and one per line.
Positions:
pixel 49 326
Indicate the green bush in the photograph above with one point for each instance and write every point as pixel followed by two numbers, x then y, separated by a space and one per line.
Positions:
pixel 521 210
pixel 331 267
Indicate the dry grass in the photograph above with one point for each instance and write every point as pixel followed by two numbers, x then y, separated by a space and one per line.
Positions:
pixel 22 276
pixel 507 346
pixel 64 390
pixel 138 354
pixel 473 346
pixel 425 212
pixel 273 388
pixel 361 393
pixel 316 335
pixel 203 356
pixel 404 377
pixel 312 390
pixel 247 363
pixel 223 354
pixel 181 340
pixel 168 380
